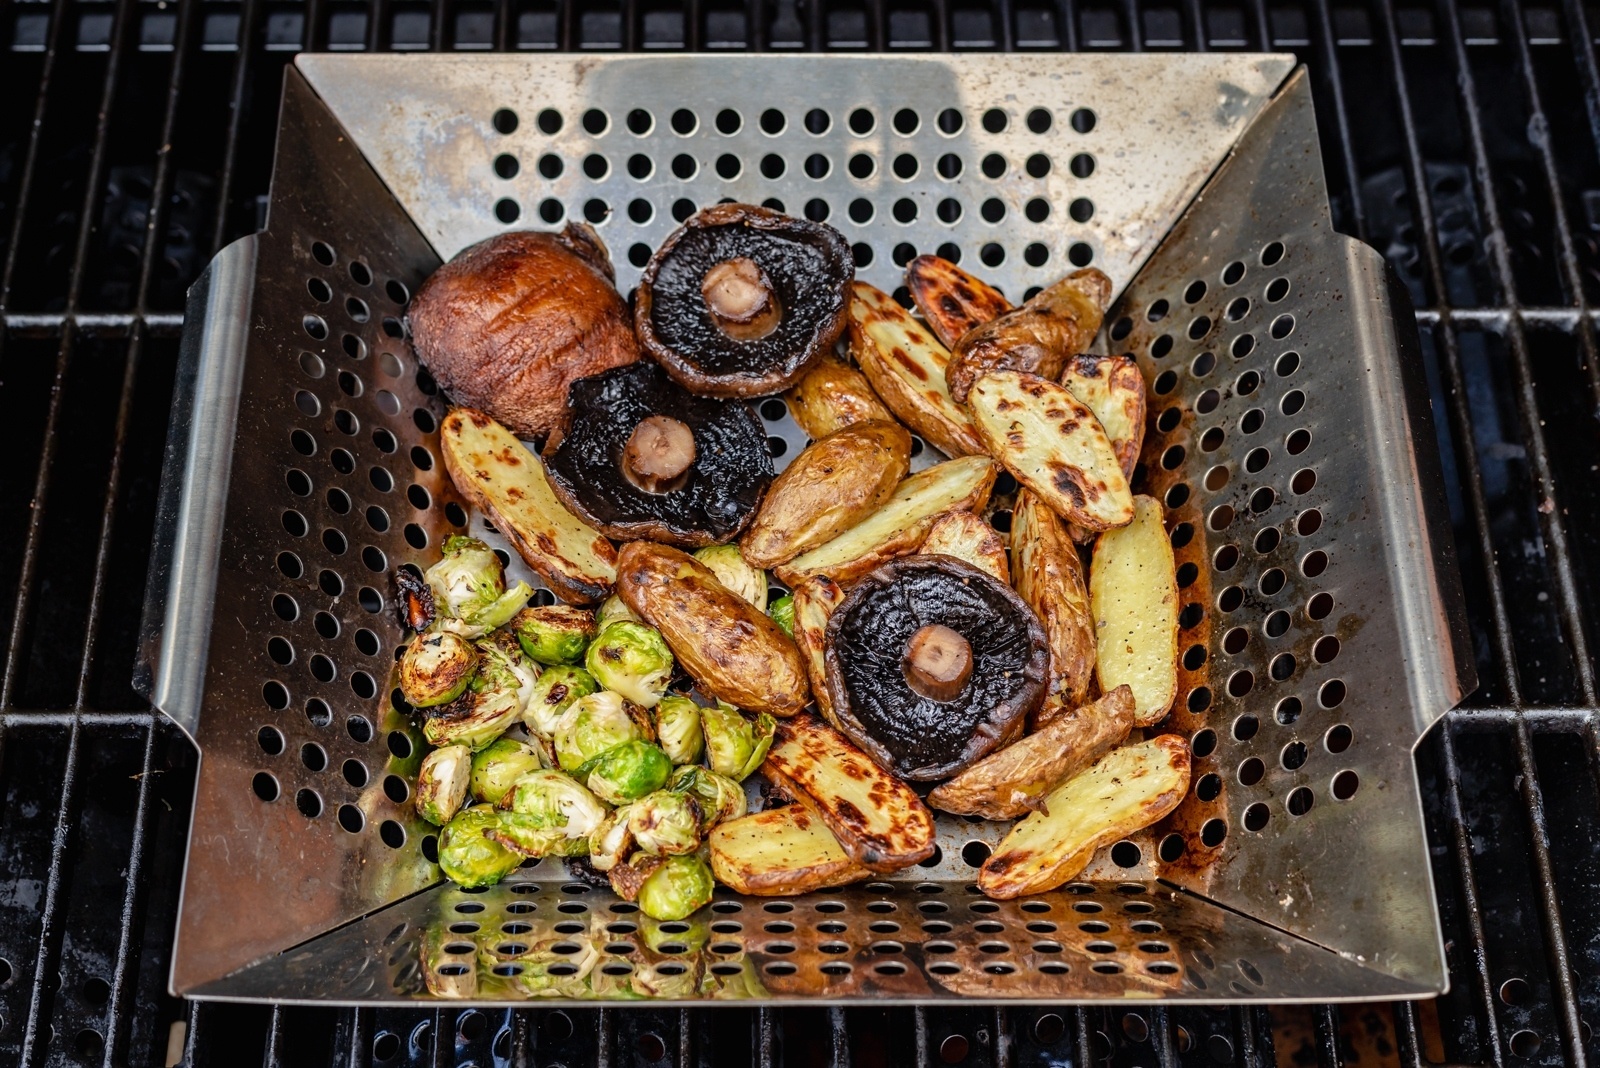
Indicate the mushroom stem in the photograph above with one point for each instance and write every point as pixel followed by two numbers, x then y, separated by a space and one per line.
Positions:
pixel 658 452
pixel 741 299
pixel 938 662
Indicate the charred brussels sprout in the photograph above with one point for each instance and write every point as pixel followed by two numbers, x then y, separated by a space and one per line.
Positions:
pixel 474 719
pixel 553 694
pixel 436 668
pixel 678 729
pixel 665 823
pixel 442 783
pixel 632 659
pixel 593 724
pixel 611 842
pixel 469 588
pixel 677 889
pixel 782 613
pixel 551 801
pixel 554 634
pixel 613 610
pixel 468 856
pixel 720 798
pixel 626 772
pixel 731 570
pixel 497 768
pixel 734 745
pixel 500 662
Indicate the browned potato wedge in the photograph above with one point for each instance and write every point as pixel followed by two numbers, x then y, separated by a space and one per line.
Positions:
pixel 1124 791
pixel 967 536
pixel 1011 782
pixel 1049 576
pixel 1113 389
pixel 1038 337
pixel 733 650
pixel 1054 445
pixel 905 365
pixel 831 396
pixel 830 487
pixel 814 601
pixel 779 852
pixel 879 820
pixel 900 525
pixel 502 479
pixel 950 299
pixel 1133 592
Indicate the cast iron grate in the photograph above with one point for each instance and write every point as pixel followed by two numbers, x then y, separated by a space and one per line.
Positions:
pixel 1462 139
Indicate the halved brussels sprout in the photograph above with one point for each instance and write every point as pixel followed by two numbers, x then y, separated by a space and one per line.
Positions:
pixel 468 576
pixel 666 823
pixel 720 798
pixel 501 662
pixel 526 835
pixel 496 768
pixel 726 562
pixel 594 723
pixel 553 801
pixel 554 693
pixel 476 718
pixel 626 772
pixel 436 668
pixel 632 659
pixel 497 613
pixel 782 613
pixel 611 842
pixel 678 729
pixel 555 633
pixel 442 783
pixel 613 610
pixel 677 889
pixel 735 746
pixel 468 856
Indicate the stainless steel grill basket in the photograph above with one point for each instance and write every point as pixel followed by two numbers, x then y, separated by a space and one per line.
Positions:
pixel 1290 438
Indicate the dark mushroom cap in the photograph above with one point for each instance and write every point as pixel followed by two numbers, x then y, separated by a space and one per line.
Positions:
pixel 910 735
pixel 809 266
pixel 715 498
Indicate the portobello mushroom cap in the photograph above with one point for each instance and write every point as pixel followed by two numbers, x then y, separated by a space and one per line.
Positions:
pixel 740 300
pixel 897 648
pixel 643 459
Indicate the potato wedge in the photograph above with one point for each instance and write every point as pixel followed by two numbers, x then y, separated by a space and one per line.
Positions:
pixel 1049 576
pixel 1011 782
pixel 779 852
pixel 814 601
pixel 900 525
pixel 1052 443
pixel 831 396
pixel 830 487
pixel 1133 592
pixel 1126 790
pixel 967 536
pixel 502 479
pixel 905 364
pixel 951 300
pixel 733 650
pixel 1113 389
pixel 1038 338
pixel 879 820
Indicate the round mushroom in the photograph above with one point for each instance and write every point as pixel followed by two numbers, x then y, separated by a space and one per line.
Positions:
pixel 932 664
pixel 740 300
pixel 642 458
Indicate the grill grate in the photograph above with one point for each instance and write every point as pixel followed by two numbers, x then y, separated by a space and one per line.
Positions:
pixel 138 141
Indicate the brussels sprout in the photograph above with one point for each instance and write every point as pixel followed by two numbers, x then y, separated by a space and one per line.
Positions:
pixel 734 746
pixel 720 798
pixel 526 836
pixel 632 659
pixel 466 578
pixel 626 772
pixel 554 692
pixel 554 633
pixel 665 823
pixel 474 719
pixel 611 842
pixel 497 768
pixel 782 613
pixel 677 889
pixel 591 725
pixel 436 668
pixel 613 610
pixel 442 783
pixel 678 729
pixel 553 801
pixel 468 856
pixel 726 562
pixel 501 663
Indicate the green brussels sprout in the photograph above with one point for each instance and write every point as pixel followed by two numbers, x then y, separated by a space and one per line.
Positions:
pixel 468 856
pixel 734 746
pixel 436 668
pixel 720 798
pixel 442 783
pixel 626 772
pixel 476 718
pixel 678 729
pixel 782 613
pixel 665 823
pixel 496 768
pixel 677 889
pixel 466 578
pixel 554 633
pixel 611 842
pixel 632 659
pixel 528 837
pixel 727 563
pixel 591 725
pixel 554 801
pixel 501 663
pixel 613 610
pixel 554 692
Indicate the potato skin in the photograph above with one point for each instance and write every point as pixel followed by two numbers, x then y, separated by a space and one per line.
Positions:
pixel 951 300
pixel 815 599
pixel 1048 574
pixel 831 396
pixel 734 651
pixel 512 321
pixel 1038 337
pixel 832 485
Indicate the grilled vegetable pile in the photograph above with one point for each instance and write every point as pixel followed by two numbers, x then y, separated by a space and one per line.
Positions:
pixel 899 636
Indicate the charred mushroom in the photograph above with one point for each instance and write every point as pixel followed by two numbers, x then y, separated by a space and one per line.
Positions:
pixel 741 300
pixel 932 664
pixel 644 459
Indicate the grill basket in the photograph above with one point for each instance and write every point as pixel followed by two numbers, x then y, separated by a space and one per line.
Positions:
pixel 1290 437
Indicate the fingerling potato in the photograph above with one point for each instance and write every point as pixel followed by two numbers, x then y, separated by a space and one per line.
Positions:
pixel 1039 337
pixel 951 300
pixel 967 536
pixel 1113 389
pixel 780 852
pixel 831 396
pixel 1049 576
pixel 814 601
pixel 1133 592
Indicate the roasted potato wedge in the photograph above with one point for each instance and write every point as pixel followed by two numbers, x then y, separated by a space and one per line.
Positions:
pixel 905 365
pixel 1052 443
pixel 951 300
pixel 967 536
pixel 1133 592
pixel 1126 790
pixel 1011 782
pixel 1113 389
pixel 814 601
pixel 1049 576
pixel 830 487
pixel 879 820
pixel 1038 338
pixel 502 479
pixel 779 852
pixel 733 650
pixel 900 525
pixel 831 396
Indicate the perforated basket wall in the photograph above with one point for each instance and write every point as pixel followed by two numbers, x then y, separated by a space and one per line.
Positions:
pixel 1289 437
